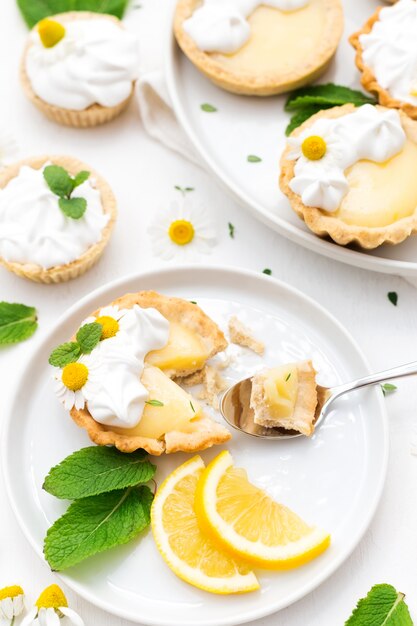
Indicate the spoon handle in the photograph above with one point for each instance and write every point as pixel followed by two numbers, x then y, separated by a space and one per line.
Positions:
pixel 409 369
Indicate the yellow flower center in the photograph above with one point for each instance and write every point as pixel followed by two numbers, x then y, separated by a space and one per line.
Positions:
pixel 110 326
pixel 50 32
pixel 51 598
pixel 314 148
pixel 181 232
pixel 74 376
pixel 11 592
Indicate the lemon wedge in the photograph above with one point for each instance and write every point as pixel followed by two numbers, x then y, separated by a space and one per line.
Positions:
pixel 244 520
pixel 192 556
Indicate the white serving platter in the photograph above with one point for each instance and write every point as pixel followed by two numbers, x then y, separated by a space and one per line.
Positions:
pixel 248 125
pixel 333 480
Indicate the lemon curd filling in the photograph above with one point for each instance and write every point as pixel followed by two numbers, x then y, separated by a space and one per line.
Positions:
pixel 184 350
pixel 381 193
pixel 174 410
pixel 280 41
pixel 280 389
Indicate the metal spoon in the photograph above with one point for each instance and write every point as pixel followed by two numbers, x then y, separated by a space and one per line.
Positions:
pixel 236 410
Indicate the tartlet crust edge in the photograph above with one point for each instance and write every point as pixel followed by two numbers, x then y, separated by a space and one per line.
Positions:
pixel 324 224
pixel 368 78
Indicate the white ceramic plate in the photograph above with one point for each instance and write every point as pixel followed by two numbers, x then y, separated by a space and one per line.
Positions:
pixel 244 126
pixel 334 480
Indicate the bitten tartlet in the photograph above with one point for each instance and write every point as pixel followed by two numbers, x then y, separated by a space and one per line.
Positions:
pixel 259 48
pixel 386 55
pixel 116 375
pixel 350 173
pixel 79 68
pixel 56 218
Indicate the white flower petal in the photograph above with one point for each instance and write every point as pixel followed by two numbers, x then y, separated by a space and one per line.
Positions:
pixel 29 619
pixel 72 616
pixel 48 617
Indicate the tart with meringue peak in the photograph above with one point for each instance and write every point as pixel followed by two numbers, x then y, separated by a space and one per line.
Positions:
pixel 116 375
pixel 349 173
pixel 385 54
pixel 259 48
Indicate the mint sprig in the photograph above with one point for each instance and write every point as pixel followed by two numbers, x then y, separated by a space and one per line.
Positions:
pixel 35 10
pixel 17 322
pixel 95 470
pixel 96 524
pixel 308 101
pixel 383 606
pixel 88 336
pixel 62 185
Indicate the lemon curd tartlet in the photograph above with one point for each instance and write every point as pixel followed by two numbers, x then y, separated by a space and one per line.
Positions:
pixel 350 174
pixel 56 218
pixel 79 68
pixel 120 387
pixel 259 48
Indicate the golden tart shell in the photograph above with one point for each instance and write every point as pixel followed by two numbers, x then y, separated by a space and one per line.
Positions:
pixel 258 85
pixel 368 78
pixel 325 224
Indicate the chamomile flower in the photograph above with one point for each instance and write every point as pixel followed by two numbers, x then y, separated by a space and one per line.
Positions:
pixel 50 608
pixel 72 381
pixel 109 317
pixel 11 604
pixel 318 144
pixel 183 232
pixel 8 148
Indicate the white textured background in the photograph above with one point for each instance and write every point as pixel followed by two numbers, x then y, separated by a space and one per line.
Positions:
pixel 142 175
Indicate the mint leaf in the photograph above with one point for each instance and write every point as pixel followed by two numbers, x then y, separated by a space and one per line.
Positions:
pixel 383 606
pixel 393 297
pixel 35 10
pixel 231 231
pixel 80 178
pixel 64 354
pixel 302 115
pixel 95 470
pixel 17 322
pixel 95 524
pixel 267 271
pixel 388 388
pixel 58 180
pixel 252 158
pixel 73 207
pixel 88 336
pixel 327 95
pixel 208 108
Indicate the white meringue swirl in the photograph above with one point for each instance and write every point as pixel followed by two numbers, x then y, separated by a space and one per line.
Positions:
pixel 95 63
pixel 390 50
pixel 367 133
pixel 222 26
pixel 33 229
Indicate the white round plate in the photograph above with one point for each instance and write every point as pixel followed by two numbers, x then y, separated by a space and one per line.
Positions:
pixel 245 126
pixel 333 480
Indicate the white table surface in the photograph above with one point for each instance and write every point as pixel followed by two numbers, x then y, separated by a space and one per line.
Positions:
pixel 142 174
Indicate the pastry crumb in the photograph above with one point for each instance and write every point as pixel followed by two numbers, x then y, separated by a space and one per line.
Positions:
pixel 242 336
pixel 213 385
pixel 197 378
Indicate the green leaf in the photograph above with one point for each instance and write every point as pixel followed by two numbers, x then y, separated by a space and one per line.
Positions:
pixel 327 95
pixel 231 231
pixel 88 336
pixel 192 406
pixel 73 207
pixel 208 108
pixel 64 354
pixel 95 470
pixel 383 606
pixel 95 524
pixel 17 322
pixel 388 388
pixel 80 178
pixel 252 158
pixel 154 402
pixel 288 377
pixel 393 297
pixel 58 180
pixel 301 116
pixel 267 271
pixel 35 10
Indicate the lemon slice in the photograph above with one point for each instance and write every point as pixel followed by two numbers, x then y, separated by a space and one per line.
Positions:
pixel 192 556
pixel 244 520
